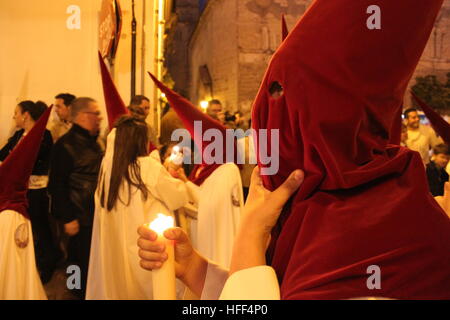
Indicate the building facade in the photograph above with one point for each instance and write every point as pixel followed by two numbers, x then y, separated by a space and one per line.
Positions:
pixel 233 41
pixel 49 47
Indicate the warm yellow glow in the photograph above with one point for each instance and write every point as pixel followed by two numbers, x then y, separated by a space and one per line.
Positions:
pixel 163 95
pixel 161 223
pixel 204 105
pixel 176 156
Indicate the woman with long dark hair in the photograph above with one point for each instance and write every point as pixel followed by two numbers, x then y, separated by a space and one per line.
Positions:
pixel 25 116
pixel 133 188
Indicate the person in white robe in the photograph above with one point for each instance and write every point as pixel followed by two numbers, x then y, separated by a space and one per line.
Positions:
pixel 249 278
pixel 19 277
pixel 220 204
pixel 218 183
pixel 114 270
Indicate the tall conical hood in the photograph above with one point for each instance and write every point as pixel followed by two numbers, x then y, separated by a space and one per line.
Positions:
pixel 344 70
pixel 15 171
pixel 284 28
pixel 439 124
pixel 189 115
pixel 343 83
pixel 115 107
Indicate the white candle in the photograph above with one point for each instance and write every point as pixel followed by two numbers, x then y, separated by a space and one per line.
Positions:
pixel 164 278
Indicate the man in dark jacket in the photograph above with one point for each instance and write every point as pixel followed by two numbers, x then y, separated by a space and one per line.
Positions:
pixel 75 165
pixel 436 174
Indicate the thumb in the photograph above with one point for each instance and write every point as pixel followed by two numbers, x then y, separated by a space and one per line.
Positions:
pixel 177 234
pixel 256 177
pixel 289 186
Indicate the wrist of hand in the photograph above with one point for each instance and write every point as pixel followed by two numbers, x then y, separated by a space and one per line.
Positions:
pixel 249 251
pixel 254 232
pixel 195 273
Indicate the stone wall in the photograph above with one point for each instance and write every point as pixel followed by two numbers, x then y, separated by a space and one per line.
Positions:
pixel 213 47
pixel 180 26
pixel 436 57
pixel 236 38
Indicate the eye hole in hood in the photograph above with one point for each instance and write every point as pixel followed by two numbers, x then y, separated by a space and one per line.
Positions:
pixel 276 90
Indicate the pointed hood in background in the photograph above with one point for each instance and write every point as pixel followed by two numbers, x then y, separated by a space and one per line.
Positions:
pixel 115 107
pixel 189 114
pixel 438 123
pixel 15 171
pixel 284 28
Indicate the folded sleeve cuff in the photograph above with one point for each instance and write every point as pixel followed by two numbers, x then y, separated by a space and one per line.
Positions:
pixel 216 277
pixel 257 283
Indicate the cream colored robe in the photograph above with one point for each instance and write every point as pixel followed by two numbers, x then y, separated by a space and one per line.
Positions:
pixel 220 201
pixel 114 270
pixel 256 283
pixel 19 278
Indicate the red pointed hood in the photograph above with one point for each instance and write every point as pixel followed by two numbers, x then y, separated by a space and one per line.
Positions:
pixel 395 135
pixel 439 124
pixel 284 28
pixel 115 107
pixel 15 171
pixel 363 202
pixel 343 85
pixel 189 114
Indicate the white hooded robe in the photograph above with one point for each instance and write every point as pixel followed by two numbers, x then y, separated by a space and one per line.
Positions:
pixel 114 270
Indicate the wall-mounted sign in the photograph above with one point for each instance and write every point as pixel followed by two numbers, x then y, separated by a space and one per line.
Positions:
pixel 110 25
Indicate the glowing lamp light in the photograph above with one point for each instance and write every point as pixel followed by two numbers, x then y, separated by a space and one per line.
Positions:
pixel 161 223
pixel 163 95
pixel 204 105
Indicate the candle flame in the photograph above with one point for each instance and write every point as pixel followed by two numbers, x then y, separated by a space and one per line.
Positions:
pixel 204 105
pixel 176 156
pixel 161 223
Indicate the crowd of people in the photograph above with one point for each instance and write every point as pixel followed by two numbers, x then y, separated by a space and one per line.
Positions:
pixel 72 191
pixel 347 199
pixel 100 197
pixel 434 152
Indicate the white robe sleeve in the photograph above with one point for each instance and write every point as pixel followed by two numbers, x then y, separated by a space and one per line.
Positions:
pixel 257 283
pixel 155 155
pixel 193 192
pixel 172 192
pixel 215 279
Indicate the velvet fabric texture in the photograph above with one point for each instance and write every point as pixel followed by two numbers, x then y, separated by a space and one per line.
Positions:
pixel 115 107
pixel 363 202
pixel 15 171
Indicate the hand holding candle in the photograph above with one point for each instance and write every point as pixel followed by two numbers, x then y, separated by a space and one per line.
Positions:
pixel 164 278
